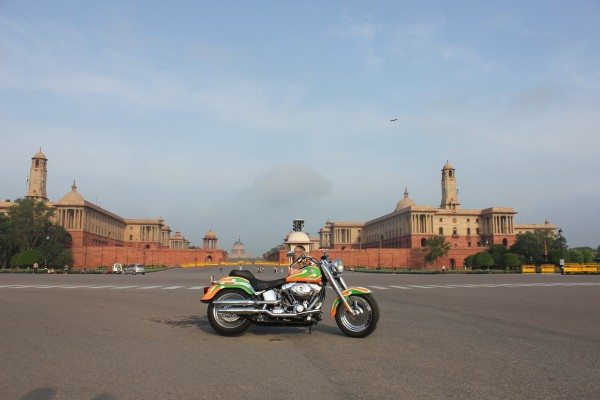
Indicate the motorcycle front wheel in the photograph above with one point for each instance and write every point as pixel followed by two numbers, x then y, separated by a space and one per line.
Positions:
pixel 228 324
pixel 365 318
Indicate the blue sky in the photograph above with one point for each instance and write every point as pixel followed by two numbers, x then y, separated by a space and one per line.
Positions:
pixel 240 116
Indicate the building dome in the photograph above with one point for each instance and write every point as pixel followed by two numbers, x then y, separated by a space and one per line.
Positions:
pixel 297 238
pixel 405 202
pixel 73 196
pixel 238 243
pixel 39 154
pixel 210 235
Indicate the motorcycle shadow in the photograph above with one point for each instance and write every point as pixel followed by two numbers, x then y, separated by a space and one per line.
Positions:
pixel 201 322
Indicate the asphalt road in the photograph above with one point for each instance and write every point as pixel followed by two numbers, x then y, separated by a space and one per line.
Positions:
pixel 440 336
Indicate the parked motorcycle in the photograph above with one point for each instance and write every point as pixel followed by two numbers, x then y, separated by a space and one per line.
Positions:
pixel 239 300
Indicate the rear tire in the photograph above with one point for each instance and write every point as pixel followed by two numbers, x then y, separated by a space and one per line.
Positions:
pixel 362 324
pixel 228 324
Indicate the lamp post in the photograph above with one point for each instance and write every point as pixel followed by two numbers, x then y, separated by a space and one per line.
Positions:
pixel 46 252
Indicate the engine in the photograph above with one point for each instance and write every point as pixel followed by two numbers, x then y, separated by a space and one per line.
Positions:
pixel 301 291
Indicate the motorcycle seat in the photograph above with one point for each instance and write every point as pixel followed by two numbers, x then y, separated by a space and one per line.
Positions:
pixel 257 284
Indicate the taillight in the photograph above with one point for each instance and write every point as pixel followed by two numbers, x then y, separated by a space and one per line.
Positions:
pixel 206 289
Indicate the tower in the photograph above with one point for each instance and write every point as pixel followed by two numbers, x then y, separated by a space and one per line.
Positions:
pixel 449 188
pixel 37 177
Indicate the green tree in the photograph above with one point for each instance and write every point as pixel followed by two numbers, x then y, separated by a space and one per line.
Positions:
pixel 7 247
pixel 469 261
pixel 30 222
pixel 532 246
pixel 512 261
pixel 26 258
pixel 28 226
pixel 497 252
pixel 436 247
pixel 575 256
pixel 483 259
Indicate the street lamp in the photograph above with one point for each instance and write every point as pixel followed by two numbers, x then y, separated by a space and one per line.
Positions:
pixel 46 252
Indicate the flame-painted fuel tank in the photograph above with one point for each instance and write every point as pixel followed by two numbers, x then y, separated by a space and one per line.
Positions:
pixel 309 274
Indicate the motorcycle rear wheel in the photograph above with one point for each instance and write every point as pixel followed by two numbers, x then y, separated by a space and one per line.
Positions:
pixel 364 322
pixel 228 324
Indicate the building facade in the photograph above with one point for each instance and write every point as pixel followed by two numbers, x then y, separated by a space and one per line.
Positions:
pixel 409 225
pixel 92 225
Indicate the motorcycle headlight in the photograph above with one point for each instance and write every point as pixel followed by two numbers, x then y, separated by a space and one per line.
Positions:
pixel 338 265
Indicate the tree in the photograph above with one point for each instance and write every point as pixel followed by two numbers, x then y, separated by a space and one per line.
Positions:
pixel 26 258
pixel 469 261
pixel 483 259
pixel 575 256
pixel 30 221
pixel 532 245
pixel 7 248
pixel 28 226
pixel 436 247
pixel 497 252
pixel 511 260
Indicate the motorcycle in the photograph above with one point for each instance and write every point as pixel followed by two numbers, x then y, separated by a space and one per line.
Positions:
pixel 239 300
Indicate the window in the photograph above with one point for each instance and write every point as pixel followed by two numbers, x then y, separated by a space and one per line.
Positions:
pixel 468 244
pixel 454 232
pixel 440 220
pixel 423 242
pixel 441 231
pixel 468 231
pixel 478 231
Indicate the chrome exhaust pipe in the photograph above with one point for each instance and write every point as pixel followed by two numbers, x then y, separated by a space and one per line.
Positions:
pixel 243 302
pixel 254 311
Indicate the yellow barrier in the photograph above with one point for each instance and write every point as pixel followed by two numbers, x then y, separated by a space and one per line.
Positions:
pixel 528 269
pixel 231 264
pixel 580 269
pixel 548 269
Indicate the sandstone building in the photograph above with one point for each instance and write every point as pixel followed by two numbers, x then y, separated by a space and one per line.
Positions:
pixel 409 225
pixel 92 225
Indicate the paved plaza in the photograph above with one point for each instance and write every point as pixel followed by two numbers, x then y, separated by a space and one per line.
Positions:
pixel 440 336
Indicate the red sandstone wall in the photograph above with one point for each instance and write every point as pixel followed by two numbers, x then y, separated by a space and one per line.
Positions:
pixel 393 258
pixel 95 256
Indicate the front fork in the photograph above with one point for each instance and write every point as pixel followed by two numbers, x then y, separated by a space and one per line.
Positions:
pixel 339 291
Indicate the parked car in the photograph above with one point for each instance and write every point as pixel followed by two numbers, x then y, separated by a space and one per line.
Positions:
pixel 117 268
pixel 135 269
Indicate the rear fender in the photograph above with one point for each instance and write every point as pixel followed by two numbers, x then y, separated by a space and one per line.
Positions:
pixel 228 282
pixel 357 291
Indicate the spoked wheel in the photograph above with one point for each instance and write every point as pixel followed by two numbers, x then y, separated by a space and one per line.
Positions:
pixel 228 324
pixel 365 318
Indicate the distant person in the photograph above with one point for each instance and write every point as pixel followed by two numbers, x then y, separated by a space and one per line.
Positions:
pixel 66 269
pixel 35 268
pixel 443 269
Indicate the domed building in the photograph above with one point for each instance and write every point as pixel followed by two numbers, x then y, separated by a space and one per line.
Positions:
pixel 238 250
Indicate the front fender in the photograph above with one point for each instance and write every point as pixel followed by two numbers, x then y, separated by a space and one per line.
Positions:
pixel 347 293
pixel 229 282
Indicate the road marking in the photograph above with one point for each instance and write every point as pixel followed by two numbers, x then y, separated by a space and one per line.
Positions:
pixel 172 287
pixel 400 287
pixel 98 287
pixel 149 287
pixel 420 287
pixel 379 287
pixel 124 287
pixel 196 287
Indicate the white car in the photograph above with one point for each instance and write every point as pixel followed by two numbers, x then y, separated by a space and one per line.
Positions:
pixel 135 269
pixel 117 268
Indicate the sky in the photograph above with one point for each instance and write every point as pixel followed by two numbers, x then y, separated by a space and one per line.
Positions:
pixel 240 116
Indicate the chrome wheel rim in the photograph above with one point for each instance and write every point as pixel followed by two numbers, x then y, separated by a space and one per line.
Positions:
pixel 363 314
pixel 225 319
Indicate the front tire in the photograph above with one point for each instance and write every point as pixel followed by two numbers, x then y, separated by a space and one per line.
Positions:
pixel 228 324
pixel 364 322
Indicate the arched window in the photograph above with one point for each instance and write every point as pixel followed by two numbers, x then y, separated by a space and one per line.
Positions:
pixel 441 231
pixel 423 241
